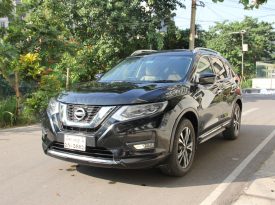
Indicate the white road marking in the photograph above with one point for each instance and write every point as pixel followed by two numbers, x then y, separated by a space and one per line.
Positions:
pixel 249 111
pixel 214 195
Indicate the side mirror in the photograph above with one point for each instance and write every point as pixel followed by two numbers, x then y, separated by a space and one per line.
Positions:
pixel 98 76
pixel 206 78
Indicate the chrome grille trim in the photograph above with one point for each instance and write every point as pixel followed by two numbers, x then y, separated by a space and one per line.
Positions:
pixel 94 118
pixel 91 112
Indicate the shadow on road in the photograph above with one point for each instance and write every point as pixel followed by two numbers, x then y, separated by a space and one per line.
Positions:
pixel 215 160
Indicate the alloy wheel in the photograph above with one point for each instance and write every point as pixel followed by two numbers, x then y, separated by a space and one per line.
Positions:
pixel 236 120
pixel 185 147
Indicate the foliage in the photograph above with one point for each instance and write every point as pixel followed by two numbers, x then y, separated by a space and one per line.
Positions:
pixel 8 54
pixel 29 65
pixel 7 116
pixel 178 39
pixel 259 37
pixel 101 32
pixel 37 102
pixel 7 108
pixel 6 7
pixel 5 89
pixel 248 4
pixel 247 83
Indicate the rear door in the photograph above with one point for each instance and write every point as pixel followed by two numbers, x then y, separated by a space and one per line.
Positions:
pixel 224 86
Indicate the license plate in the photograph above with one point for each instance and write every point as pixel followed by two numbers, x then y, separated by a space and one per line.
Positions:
pixel 75 142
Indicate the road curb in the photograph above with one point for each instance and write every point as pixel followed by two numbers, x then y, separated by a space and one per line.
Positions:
pixel 262 189
pixel 258 91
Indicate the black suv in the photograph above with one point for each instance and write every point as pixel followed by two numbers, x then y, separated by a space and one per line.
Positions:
pixel 152 109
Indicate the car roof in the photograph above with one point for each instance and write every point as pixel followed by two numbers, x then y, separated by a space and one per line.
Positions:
pixel 185 52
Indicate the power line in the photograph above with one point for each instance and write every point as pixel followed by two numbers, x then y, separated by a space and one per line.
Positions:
pixel 206 21
pixel 261 8
pixel 214 12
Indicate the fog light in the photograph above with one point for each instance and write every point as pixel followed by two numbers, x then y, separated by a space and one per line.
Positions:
pixel 144 146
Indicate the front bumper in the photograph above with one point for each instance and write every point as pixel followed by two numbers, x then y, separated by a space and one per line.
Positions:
pixel 110 146
pixel 131 163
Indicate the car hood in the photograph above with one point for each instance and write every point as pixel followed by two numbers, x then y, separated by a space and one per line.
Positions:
pixel 120 93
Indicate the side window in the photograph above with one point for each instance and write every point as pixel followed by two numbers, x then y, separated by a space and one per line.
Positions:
pixel 229 69
pixel 204 65
pixel 219 68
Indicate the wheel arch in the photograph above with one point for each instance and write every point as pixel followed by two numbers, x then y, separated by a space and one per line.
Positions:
pixel 189 114
pixel 239 102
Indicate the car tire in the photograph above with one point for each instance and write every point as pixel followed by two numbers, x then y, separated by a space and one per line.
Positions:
pixel 183 152
pixel 233 131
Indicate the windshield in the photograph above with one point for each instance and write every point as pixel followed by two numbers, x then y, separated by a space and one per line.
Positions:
pixel 149 69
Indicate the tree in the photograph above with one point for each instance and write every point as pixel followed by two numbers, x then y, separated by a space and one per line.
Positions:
pixel 176 38
pixel 6 7
pixel 103 32
pixel 14 65
pixel 259 37
pixel 85 37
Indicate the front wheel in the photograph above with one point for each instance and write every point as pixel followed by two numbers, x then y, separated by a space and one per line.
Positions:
pixel 233 131
pixel 183 152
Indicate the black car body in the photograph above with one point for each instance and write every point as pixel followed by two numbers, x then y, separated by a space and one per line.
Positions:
pixel 156 121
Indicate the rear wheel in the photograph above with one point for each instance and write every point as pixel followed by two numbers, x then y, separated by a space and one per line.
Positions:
pixel 183 152
pixel 233 131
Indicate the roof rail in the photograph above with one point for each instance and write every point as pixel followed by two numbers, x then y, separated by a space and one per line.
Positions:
pixel 138 52
pixel 205 49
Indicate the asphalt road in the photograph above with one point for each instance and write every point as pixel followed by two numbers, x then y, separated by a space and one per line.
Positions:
pixel 29 177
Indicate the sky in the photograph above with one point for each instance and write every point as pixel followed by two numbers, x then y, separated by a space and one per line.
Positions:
pixel 230 10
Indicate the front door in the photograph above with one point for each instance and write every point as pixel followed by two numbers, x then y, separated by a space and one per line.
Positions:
pixel 209 97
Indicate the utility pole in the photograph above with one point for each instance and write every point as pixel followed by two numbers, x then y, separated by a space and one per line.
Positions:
pixel 242 54
pixel 192 25
pixel 244 48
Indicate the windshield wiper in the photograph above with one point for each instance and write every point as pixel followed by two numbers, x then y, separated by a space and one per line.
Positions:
pixel 164 81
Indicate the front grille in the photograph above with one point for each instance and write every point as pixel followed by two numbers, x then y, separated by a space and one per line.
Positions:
pixel 91 111
pixel 78 129
pixel 97 152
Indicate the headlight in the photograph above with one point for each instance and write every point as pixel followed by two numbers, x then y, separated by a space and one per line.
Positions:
pixel 53 107
pixel 139 111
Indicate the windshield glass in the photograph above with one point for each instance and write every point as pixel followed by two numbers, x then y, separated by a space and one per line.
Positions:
pixel 149 69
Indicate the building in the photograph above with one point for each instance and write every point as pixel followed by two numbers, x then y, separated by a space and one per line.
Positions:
pixel 4 22
pixel 265 76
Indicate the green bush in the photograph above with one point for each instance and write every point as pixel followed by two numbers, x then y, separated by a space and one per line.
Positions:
pixel 37 102
pixel 247 83
pixel 7 117
pixel 7 110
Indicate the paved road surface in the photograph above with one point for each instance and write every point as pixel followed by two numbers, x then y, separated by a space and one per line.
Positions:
pixel 29 177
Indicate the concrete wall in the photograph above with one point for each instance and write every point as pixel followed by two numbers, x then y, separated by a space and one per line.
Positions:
pixel 4 22
pixel 263 83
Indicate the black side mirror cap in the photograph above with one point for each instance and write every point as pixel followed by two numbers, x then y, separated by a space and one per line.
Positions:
pixel 206 78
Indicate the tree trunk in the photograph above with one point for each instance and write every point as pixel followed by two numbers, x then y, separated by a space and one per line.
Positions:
pixel 17 93
pixel 68 78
